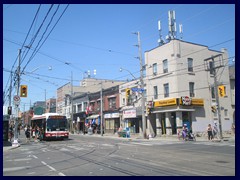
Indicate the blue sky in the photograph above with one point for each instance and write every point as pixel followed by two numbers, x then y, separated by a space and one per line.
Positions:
pixel 100 37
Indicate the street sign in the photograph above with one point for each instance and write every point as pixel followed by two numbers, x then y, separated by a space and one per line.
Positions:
pixel 16 99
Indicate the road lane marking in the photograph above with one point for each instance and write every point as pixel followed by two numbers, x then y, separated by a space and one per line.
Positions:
pixel 53 169
pixel 26 159
pixel 15 168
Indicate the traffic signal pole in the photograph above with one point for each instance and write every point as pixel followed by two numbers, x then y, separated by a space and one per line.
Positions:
pixel 217 99
pixel 213 70
pixel 15 142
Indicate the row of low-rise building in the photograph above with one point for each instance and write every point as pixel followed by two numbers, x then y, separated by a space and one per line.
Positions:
pixel 178 85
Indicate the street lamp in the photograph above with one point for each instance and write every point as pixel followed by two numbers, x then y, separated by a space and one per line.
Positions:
pixel 121 69
pixel 49 68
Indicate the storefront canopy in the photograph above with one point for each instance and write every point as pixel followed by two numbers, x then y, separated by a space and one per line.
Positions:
pixel 94 116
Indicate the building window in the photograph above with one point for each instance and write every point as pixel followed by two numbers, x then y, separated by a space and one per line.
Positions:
pixel 155 91
pixel 225 112
pixel 165 66
pixel 166 90
pixel 211 67
pixel 190 65
pixel 155 68
pixel 112 103
pixel 191 89
pixel 213 92
pixel 124 102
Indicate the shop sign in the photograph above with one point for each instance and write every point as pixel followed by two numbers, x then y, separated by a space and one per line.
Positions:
pixel 111 115
pixel 197 102
pixel 129 114
pixel 167 102
pixel 186 101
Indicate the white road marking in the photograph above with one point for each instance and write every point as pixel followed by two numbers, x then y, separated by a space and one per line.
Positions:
pixel 26 159
pixel 15 168
pixel 53 169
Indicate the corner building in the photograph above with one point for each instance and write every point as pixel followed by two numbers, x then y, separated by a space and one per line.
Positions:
pixel 182 90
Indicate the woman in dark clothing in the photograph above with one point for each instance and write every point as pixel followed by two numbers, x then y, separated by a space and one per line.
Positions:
pixel 209 131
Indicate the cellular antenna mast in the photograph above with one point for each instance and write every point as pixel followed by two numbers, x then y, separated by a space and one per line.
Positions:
pixel 160 40
pixel 181 31
pixel 172 30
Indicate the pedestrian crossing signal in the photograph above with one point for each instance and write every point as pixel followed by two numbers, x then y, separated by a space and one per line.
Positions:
pixel 214 109
pixel 23 91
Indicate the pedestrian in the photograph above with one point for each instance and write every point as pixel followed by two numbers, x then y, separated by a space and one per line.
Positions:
pixel 209 131
pixel 18 129
pixel 27 133
pixel 184 131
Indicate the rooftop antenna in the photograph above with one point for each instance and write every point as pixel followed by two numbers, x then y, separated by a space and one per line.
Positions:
pixel 94 72
pixel 160 40
pixel 172 30
pixel 88 74
pixel 181 31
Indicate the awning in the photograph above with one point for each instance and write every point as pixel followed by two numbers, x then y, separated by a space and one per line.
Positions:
pixel 173 110
pixel 94 116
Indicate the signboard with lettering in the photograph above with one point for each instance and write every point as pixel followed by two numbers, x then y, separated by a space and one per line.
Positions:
pixel 167 102
pixel 129 114
pixel 197 102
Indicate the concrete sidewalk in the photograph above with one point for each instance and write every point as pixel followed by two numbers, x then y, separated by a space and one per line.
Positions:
pixel 137 137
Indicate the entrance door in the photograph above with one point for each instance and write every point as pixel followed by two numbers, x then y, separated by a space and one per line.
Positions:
pixel 163 125
pixel 173 123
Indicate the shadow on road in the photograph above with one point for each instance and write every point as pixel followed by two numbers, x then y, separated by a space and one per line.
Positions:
pixel 6 143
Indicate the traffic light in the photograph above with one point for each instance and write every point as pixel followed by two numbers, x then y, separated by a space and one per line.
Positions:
pixel 23 91
pixel 213 109
pixel 221 91
pixel 9 110
pixel 149 111
pixel 128 92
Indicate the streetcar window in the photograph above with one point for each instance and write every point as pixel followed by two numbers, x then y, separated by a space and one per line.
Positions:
pixel 56 124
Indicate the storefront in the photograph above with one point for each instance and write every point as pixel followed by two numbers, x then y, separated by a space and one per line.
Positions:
pixel 169 115
pixel 79 120
pixel 131 119
pixel 112 122
pixel 94 122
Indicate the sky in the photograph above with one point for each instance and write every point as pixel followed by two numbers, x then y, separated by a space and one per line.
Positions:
pixel 99 37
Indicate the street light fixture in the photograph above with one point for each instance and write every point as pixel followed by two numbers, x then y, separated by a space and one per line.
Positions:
pixel 121 69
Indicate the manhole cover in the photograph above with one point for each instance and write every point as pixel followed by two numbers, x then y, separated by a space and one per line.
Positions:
pixel 221 162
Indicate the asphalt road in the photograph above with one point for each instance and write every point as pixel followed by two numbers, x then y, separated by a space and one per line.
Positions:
pixel 101 156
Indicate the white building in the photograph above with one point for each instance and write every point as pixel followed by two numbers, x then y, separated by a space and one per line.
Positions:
pixel 182 89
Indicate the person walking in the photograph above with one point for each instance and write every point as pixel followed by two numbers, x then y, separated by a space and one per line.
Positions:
pixel 27 133
pixel 209 131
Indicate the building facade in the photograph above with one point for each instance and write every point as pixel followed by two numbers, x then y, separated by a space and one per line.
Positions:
pixel 181 87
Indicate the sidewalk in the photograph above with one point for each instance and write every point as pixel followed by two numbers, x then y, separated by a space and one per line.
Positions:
pixel 137 137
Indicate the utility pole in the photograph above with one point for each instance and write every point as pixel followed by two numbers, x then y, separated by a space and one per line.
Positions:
pixel 101 96
pixel 15 142
pixel 141 85
pixel 71 122
pixel 212 68
pixel 45 100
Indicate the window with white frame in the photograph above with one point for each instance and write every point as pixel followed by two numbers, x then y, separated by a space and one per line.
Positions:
pixel 165 66
pixel 166 90
pixel 154 68
pixel 155 92
pixel 190 65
